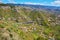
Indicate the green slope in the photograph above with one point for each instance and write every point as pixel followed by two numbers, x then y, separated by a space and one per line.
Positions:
pixel 19 23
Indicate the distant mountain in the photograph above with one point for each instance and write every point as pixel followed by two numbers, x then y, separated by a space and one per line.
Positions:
pixel 53 9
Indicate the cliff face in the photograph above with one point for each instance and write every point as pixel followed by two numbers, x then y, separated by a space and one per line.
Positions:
pixel 25 23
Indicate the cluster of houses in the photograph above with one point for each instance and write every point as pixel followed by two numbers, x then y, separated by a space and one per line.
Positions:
pixel 5 7
pixel 28 29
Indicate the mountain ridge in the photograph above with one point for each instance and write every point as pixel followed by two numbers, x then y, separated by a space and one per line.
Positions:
pixel 39 7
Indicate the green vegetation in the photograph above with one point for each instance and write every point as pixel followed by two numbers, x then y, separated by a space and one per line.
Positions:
pixel 20 23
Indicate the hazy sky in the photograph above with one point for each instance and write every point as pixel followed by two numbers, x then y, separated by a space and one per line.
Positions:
pixel 35 2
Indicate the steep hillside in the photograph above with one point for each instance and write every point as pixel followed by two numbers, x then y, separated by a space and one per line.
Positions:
pixel 25 23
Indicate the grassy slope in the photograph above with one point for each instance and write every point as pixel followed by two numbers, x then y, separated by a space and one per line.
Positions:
pixel 16 29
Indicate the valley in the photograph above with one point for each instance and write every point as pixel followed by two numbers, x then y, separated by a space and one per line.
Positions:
pixel 26 23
